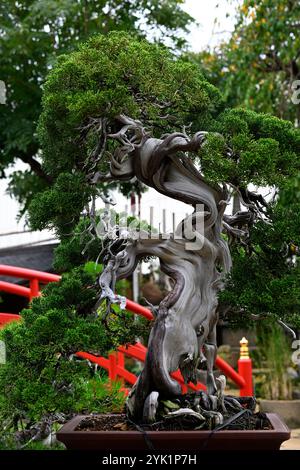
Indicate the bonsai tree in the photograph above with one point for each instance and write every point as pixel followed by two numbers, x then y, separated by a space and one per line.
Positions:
pixel 122 109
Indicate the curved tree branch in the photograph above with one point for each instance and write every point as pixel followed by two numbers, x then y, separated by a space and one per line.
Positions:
pixel 35 166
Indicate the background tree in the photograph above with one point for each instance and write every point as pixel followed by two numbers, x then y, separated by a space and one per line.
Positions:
pixel 32 34
pixel 258 65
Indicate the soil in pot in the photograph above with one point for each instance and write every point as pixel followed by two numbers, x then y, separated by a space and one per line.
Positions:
pixel 119 422
pixel 193 411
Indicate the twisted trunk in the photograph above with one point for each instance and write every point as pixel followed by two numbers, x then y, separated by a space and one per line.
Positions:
pixel 187 316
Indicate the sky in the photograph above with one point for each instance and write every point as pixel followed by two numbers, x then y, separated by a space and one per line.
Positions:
pixel 215 20
pixel 207 32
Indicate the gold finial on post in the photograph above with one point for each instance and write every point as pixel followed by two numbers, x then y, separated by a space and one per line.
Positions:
pixel 244 350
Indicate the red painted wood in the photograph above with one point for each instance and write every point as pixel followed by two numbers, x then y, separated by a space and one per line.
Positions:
pixel 230 372
pixel 34 288
pixel 125 374
pixel 15 289
pixel 245 371
pixel 139 309
pixel 133 351
pixel 101 361
pixel 112 371
pixel 8 317
pixel 24 273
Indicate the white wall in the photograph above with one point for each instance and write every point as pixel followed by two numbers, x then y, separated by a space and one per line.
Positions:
pixel 8 220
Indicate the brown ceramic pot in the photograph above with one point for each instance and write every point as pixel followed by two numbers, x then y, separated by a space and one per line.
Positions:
pixel 270 439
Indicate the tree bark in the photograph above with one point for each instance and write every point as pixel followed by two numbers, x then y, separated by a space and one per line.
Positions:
pixel 183 335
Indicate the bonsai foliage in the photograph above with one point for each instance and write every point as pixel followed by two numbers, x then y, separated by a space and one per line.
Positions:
pixel 83 94
pixel 264 279
pixel 119 109
pixel 115 75
pixel 43 382
pixel 32 34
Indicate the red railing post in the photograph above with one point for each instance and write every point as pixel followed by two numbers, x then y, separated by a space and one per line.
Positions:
pixel 34 288
pixel 184 389
pixel 245 369
pixel 113 364
pixel 120 359
pixel 120 363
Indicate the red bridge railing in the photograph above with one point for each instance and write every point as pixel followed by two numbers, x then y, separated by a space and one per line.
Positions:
pixel 115 363
pixel 35 278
